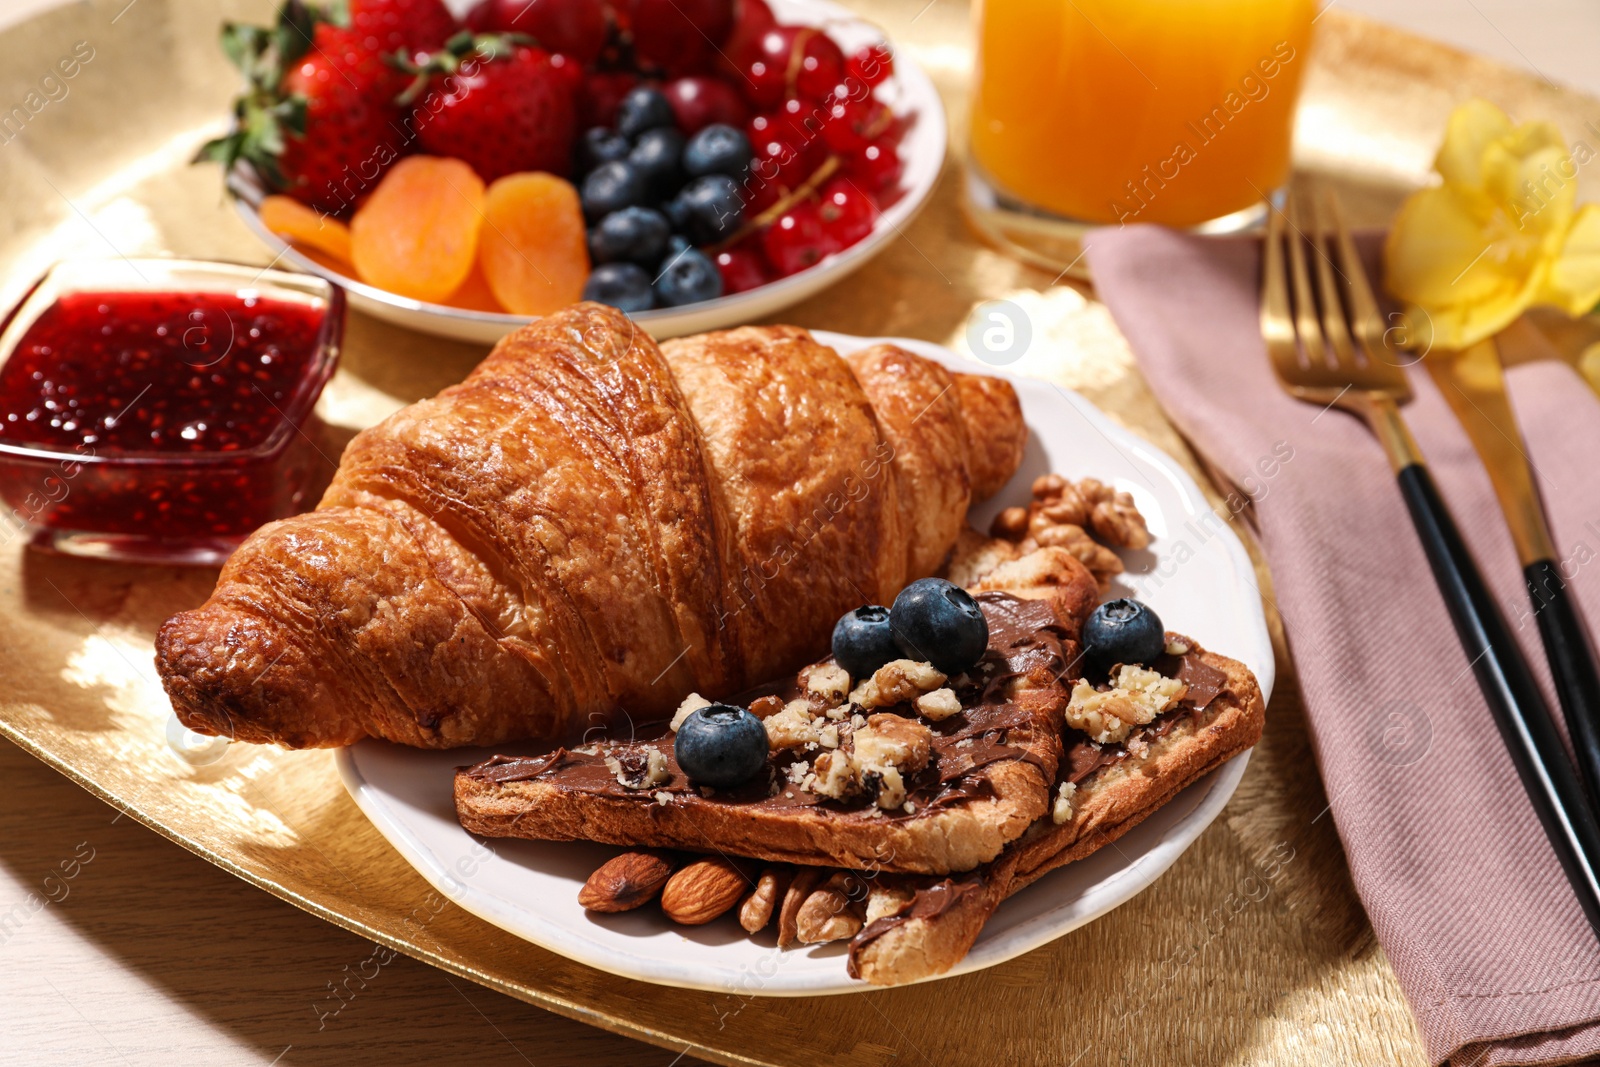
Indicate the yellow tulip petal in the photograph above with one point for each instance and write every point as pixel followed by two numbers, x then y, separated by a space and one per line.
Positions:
pixel 1437 254
pixel 1573 283
pixel 1472 127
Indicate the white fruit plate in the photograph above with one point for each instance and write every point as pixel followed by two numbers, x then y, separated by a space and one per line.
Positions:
pixel 909 94
pixel 1195 574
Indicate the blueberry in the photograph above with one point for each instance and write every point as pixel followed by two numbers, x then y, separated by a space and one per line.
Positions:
pixel 721 745
pixel 655 155
pixel 1122 631
pixel 643 109
pixel 611 187
pixel 718 149
pixel 688 278
pixel 633 235
pixel 863 642
pixel 711 207
pixel 625 286
pixel 601 145
pixel 936 621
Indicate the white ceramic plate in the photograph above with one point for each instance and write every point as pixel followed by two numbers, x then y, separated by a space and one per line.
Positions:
pixel 530 888
pixel 909 94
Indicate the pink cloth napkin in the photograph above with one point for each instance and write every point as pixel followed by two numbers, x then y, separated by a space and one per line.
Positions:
pixel 1464 892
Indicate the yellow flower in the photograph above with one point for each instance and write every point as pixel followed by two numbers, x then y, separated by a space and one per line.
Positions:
pixel 1502 231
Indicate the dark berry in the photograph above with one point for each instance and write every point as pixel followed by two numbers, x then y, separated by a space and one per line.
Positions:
pixel 612 187
pixel 688 278
pixel 633 235
pixel 721 745
pixel 1122 631
pixel 863 642
pixel 717 149
pixel 657 154
pixel 643 109
pixel 698 101
pixel 601 145
pixel 711 207
pixel 940 623
pixel 625 286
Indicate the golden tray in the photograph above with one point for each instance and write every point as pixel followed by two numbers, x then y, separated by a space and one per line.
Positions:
pixel 1253 949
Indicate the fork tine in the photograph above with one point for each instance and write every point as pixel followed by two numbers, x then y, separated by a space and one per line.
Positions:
pixel 1276 325
pixel 1305 308
pixel 1333 324
pixel 1365 321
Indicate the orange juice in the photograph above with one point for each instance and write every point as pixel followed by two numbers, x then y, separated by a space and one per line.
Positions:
pixel 1171 111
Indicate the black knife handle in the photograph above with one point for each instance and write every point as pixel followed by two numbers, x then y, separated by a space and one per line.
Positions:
pixel 1514 699
pixel 1571 656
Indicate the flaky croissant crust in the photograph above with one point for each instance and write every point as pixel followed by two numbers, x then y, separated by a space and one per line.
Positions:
pixel 590 526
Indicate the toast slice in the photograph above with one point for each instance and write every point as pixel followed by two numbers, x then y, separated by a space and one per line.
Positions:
pixel 932 923
pixel 986 769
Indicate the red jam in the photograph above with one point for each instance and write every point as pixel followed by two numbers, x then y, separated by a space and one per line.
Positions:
pixel 180 416
pixel 156 372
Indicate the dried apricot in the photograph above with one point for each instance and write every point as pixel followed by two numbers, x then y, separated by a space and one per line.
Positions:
pixel 475 294
pixel 306 227
pixel 417 234
pixel 533 250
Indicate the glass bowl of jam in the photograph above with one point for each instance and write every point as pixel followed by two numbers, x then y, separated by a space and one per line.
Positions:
pixel 159 410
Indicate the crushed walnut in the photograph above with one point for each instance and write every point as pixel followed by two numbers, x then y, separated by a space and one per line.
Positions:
pixel 899 681
pixel 794 727
pixel 1061 810
pixel 639 767
pixel 1135 698
pixel 873 761
pixel 691 704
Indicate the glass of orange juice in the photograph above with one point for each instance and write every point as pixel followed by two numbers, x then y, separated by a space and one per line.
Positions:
pixel 1106 112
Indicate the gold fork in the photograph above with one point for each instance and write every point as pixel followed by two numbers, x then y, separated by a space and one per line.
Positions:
pixel 1328 348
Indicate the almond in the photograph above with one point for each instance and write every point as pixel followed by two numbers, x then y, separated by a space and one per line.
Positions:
pixel 703 890
pixel 626 881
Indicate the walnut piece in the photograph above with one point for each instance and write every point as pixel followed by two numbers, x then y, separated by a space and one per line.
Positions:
pixel 1061 810
pixel 639 767
pixel 897 682
pixel 1136 696
pixel 1086 518
pixel 873 760
pixel 691 704
pixel 826 684
pixel 938 705
pixel 793 727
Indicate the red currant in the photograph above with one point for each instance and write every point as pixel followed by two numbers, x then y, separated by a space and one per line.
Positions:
pixel 762 81
pixel 847 212
pixel 742 268
pixel 797 239
pixel 877 166
pixel 820 68
pixel 802 60
pixel 852 124
pixel 873 63
pixel 783 157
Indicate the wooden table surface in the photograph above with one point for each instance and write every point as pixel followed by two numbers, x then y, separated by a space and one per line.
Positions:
pixel 147 954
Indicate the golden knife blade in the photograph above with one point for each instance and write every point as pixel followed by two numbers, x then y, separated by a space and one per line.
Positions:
pixel 1473 383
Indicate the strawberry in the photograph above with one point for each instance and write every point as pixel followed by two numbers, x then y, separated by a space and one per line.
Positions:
pixel 499 104
pixel 317 119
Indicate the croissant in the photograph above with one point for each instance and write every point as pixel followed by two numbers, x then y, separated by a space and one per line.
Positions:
pixel 591 526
